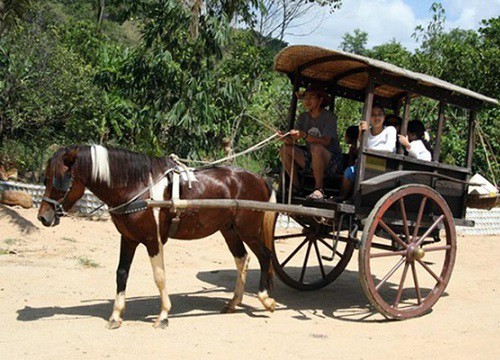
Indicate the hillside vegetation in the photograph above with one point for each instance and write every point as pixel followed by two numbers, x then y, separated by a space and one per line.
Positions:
pixel 160 78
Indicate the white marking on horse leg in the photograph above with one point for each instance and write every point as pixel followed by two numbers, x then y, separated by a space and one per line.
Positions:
pixel 239 289
pixel 115 320
pixel 157 261
pixel 158 266
pixel 267 301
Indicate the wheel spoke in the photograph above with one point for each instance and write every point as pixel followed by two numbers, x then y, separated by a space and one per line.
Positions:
pixel 326 244
pixel 389 274
pixel 339 255
pixel 415 281
pixel 405 218
pixel 438 248
pixel 288 236
pixel 293 253
pixel 429 270
pixel 306 259
pixel 319 260
pixel 392 234
pixel 388 253
pixel 419 217
pixel 429 230
pixel 401 285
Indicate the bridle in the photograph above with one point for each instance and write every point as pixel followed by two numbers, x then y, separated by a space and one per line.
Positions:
pixel 62 185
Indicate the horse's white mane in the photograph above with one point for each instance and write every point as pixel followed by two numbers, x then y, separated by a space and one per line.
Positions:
pixel 100 164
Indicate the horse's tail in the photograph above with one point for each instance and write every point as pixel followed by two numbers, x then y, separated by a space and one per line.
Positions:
pixel 268 235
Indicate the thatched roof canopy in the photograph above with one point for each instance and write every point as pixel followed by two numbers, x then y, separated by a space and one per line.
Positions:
pixel 346 75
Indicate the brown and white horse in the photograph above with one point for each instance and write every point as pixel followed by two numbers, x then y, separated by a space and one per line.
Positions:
pixel 116 176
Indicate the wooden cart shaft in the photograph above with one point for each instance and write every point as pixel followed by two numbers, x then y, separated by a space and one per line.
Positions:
pixel 243 204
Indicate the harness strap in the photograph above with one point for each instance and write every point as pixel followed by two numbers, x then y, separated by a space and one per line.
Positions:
pixel 58 208
pixel 174 223
pixel 121 209
pixel 183 166
pixel 131 207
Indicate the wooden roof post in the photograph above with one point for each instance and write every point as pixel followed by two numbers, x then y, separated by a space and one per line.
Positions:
pixel 406 118
pixel 367 111
pixel 437 143
pixel 293 101
pixel 332 103
pixel 471 144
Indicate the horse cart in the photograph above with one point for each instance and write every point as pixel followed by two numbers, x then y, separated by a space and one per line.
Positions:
pixel 401 218
pixel 403 214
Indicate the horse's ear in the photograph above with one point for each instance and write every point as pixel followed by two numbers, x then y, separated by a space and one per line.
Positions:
pixel 69 156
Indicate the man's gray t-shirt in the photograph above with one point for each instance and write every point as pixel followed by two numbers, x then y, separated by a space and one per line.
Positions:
pixel 324 124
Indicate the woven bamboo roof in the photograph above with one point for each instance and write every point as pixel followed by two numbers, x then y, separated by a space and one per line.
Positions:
pixel 351 71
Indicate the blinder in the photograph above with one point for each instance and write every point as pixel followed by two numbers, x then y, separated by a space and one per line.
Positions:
pixel 61 184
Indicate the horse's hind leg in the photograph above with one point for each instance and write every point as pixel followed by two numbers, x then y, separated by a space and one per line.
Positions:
pixel 265 282
pixel 259 241
pixel 241 258
pixel 127 251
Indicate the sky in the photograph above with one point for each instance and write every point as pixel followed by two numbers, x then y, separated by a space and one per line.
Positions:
pixel 385 20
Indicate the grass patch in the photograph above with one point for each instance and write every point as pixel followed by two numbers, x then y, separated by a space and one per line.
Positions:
pixel 68 239
pixel 11 241
pixel 86 262
pixel 3 251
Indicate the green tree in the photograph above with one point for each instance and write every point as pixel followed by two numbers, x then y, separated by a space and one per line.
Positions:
pixel 355 43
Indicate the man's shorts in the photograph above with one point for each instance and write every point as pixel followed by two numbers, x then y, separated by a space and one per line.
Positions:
pixel 350 173
pixel 334 166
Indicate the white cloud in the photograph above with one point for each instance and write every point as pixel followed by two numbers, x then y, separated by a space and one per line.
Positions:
pixel 385 20
pixel 467 14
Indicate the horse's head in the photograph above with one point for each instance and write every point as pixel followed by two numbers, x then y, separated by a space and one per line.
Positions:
pixel 63 187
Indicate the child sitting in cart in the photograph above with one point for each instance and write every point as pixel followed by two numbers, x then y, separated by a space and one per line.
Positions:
pixel 351 138
pixel 380 137
pixel 415 143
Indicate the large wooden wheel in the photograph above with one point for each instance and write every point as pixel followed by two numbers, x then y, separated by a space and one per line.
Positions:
pixel 310 256
pixel 407 251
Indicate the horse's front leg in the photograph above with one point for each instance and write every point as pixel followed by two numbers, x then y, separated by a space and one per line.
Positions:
pixel 158 265
pixel 127 251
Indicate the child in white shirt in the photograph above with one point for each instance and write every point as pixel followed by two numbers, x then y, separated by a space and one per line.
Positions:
pixel 414 143
pixel 380 137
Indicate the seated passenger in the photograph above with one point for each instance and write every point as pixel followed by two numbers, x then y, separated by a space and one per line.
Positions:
pixel 318 127
pixel 415 143
pixel 351 138
pixel 380 137
pixel 393 120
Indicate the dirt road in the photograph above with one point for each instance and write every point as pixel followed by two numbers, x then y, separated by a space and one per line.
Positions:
pixel 57 286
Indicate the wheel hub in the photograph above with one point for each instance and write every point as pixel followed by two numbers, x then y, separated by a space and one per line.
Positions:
pixel 415 253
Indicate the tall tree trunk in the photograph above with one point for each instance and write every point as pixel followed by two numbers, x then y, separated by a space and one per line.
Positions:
pixel 194 26
pixel 100 13
pixel 2 17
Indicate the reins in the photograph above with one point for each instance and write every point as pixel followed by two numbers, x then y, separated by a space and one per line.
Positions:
pixel 255 147
pixel 127 206
pixel 180 162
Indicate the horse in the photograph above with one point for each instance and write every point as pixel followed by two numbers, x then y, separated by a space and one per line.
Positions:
pixel 123 179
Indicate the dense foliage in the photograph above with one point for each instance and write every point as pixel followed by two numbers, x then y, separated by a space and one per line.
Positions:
pixel 159 77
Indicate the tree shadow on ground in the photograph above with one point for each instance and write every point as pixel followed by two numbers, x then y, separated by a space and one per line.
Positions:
pixel 342 300
pixel 26 226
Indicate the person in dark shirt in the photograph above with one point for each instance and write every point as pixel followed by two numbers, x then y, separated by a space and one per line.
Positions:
pixel 318 127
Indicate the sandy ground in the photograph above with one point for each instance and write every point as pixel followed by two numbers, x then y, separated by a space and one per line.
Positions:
pixel 57 286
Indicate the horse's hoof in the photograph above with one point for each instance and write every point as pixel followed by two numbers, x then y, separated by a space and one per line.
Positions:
pixel 161 324
pixel 227 309
pixel 270 304
pixel 114 324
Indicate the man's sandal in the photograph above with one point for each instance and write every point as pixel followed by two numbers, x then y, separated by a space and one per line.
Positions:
pixel 317 194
